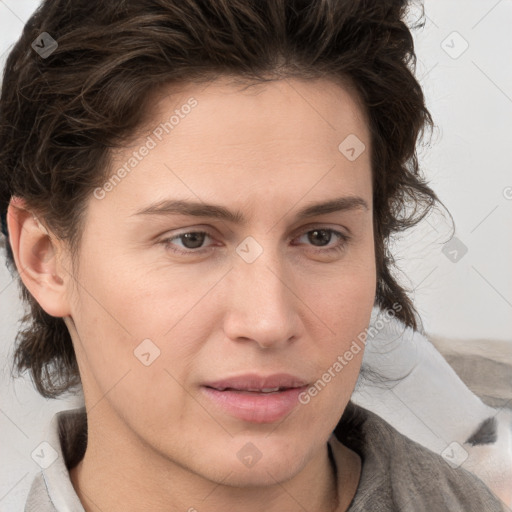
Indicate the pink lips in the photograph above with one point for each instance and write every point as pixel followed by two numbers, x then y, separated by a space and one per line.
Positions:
pixel 254 398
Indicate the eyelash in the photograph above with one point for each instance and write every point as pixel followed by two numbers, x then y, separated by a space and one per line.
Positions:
pixel 344 239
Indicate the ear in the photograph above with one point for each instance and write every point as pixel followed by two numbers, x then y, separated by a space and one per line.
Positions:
pixel 38 257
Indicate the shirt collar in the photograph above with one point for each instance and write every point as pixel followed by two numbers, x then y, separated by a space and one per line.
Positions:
pixel 66 436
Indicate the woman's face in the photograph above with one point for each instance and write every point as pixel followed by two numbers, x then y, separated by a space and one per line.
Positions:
pixel 155 316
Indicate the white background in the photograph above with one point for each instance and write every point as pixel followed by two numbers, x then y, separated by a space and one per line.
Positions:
pixel 469 165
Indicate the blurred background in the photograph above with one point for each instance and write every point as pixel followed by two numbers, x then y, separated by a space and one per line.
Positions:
pixel 462 287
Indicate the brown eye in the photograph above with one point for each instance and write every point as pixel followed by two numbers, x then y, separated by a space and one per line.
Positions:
pixel 191 241
pixel 323 236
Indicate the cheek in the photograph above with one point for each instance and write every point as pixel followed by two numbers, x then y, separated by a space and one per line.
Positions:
pixel 345 307
pixel 354 299
pixel 345 300
pixel 120 297
pixel 124 313
pixel 126 359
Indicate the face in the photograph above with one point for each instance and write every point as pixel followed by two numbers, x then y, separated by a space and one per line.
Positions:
pixel 169 297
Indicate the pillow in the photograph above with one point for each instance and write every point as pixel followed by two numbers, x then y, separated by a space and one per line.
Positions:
pixel 406 381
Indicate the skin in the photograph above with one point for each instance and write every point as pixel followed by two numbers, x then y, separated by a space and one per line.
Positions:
pixel 267 151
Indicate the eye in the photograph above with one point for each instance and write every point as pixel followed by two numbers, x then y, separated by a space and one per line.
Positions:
pixel 191 240
pixel 323 236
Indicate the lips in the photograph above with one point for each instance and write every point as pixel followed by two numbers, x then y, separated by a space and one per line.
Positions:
pixel 257 383
pixel 254 390
pixel 254 406
pixel 255 398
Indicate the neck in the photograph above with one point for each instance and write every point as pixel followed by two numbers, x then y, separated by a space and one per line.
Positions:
pixel 140 479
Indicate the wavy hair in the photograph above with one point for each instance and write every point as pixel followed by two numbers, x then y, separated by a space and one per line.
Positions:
pixel 61 116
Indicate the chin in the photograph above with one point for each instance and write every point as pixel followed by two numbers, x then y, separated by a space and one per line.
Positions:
pixel 265 475
pixel 254 462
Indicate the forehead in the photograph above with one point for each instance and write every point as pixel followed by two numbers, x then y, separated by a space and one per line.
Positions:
pixel 253 113
pixel 224 138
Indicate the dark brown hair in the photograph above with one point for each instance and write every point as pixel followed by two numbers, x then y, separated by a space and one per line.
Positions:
pixel 61 115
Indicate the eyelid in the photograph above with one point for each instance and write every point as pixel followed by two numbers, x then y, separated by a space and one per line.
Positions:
pixel 167 241
pixel 345 239
pixel 321 225
pixel 304 230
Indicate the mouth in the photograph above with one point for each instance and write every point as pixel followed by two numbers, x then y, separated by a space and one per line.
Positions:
pixel 254 404
pixel 258 383
pixel 266 391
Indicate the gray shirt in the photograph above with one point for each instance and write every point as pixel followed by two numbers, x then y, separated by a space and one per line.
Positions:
pixel 397 474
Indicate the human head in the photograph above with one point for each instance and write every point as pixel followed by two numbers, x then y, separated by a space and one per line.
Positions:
pixel 62 117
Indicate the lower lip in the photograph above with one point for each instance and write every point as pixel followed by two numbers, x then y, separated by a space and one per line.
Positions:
pixel 256 407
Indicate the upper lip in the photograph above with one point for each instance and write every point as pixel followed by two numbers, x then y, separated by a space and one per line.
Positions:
pixel 252 381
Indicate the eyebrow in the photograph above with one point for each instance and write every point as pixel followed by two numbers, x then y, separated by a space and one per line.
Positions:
pixel 199 209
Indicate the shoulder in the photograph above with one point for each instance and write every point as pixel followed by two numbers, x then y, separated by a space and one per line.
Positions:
pixel 38 498
pixel 66 440
pixel 404 474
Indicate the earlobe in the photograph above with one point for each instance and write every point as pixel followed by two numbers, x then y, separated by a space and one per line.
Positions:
pixel 37 258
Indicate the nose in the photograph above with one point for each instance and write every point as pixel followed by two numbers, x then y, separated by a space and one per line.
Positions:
pixel 261 305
